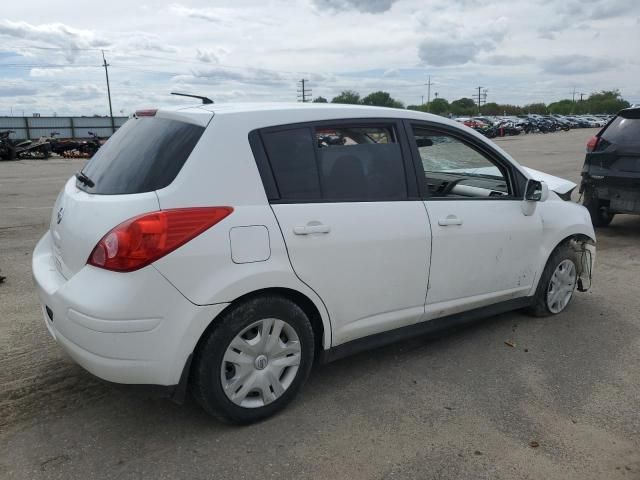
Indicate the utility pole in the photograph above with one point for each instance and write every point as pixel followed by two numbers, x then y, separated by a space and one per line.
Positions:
pixel 582 95
pixel 106 72
pixel 304 92
pixel 421 99
pixel 428 84
pixel 573 96
pixel 479 98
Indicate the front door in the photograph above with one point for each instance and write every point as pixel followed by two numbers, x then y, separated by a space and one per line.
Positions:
pixel 485 249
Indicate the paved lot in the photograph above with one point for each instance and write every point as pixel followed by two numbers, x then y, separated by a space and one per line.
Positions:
pixel 462 406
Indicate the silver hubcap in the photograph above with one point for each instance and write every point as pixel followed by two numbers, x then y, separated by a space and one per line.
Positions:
pixel 260 363
pixel 561 286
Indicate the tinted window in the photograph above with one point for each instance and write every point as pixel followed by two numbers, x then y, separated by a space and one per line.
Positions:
pixel 623 131
pixel 293 162
pixel 145 154
pixel 454 169
pixel 360 163
pixel 336 163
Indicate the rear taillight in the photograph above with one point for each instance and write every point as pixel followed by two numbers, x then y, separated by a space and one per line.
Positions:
pixel 592 144
pixel 144 239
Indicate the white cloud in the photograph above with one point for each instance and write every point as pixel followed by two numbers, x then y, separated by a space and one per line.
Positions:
pixel 365 6
pixel 252 50
pixel 575 64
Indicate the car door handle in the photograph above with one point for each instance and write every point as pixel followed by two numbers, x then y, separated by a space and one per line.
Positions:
pixel 450 220
pixel 311 229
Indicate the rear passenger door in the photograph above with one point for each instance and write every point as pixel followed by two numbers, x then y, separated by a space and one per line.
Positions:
pixel 354 225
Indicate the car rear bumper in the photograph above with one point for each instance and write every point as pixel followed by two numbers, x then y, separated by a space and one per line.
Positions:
pixel 133 328
pixel 621 193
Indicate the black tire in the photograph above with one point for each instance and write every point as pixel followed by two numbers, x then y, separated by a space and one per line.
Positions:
pixel 600 215
pixel 540 307
pixel 206 379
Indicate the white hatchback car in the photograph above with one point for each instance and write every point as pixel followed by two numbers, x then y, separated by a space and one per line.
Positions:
pixel 229 247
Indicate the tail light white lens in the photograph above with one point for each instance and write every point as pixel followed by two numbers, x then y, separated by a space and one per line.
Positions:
pixel 144 239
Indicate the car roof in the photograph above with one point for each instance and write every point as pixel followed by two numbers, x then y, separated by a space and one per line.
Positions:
pixel 299 109
pixel 262 115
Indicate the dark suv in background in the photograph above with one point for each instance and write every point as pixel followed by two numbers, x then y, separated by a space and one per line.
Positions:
pixel 611 171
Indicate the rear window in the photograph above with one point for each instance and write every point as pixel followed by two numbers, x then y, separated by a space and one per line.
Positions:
pixel 623 131
pixel 144 155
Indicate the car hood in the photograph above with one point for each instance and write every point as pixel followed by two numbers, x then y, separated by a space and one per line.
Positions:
pixel 557 184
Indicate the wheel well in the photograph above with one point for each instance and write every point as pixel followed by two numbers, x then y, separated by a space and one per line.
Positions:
pixel 571 240
pixel 307 306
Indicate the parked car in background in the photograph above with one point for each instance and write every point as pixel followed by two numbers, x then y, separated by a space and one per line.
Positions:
pixel 229 247
pixel 611 171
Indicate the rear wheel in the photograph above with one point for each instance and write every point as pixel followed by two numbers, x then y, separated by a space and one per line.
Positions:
pixel 600 215
pixel 254 361
pixel 557 283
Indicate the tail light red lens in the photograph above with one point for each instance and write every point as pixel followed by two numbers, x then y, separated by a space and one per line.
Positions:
pixel 144 239
pixel 592 144
pixel 150 112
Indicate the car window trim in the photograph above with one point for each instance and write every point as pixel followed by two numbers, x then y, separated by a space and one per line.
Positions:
pixel 268 177
pixel 492 155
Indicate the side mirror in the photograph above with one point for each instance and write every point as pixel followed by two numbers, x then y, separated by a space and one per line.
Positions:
pixel 536 191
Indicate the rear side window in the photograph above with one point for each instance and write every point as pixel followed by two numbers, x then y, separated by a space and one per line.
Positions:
pixel 293 162
pixel 337 163
pixel 360 163
pixel 144 155
pixel 623 131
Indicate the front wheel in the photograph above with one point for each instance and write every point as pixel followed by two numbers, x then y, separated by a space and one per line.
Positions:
pixel 254 361
pixel 557 283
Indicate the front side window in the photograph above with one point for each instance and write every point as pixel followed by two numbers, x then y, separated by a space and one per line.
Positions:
pixel 336 163
pixel 453 169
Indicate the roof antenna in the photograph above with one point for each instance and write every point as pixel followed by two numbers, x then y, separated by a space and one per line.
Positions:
pixel 205 100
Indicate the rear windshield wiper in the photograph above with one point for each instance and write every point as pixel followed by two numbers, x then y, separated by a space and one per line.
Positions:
pixel 84 179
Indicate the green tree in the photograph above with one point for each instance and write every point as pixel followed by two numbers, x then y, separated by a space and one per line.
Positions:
pixel 463 106
pixel 439 106
pixel 563 107
pixel 606 101
pixel 537 108
pixel 491 108
pixel 347 96
pixel 320 100
pixel 382 99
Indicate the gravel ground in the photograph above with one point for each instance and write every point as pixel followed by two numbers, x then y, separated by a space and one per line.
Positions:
pixel 459 406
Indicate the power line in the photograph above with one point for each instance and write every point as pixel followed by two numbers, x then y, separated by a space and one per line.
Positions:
pixel 428 84
pixel 106 72
pixel 304 92
pixel 479 97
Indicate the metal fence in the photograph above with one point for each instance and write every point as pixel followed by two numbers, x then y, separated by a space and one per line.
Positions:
pixel 66 127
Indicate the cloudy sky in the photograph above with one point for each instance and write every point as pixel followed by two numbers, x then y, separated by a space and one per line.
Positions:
pixel 521 51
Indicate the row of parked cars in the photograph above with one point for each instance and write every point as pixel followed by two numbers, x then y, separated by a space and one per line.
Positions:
pixel 494 126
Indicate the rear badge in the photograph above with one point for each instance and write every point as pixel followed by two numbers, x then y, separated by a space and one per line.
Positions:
pixel 60 214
